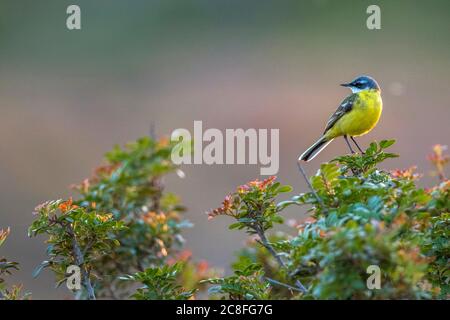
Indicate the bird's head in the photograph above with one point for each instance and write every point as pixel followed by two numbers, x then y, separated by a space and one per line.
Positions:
pixel 362 83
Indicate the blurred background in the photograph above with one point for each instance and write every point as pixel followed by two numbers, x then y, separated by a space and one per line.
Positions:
pixel 67 97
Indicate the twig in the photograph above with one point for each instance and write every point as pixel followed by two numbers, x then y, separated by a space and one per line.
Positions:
pixel 283 284
pixel 263 240
pixel 152 130
pixel 302 171
pixel 265 243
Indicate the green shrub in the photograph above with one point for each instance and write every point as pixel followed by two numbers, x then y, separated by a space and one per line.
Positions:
pixel 124 230
pixel 360 216
pixel 76 236
pixel 142 222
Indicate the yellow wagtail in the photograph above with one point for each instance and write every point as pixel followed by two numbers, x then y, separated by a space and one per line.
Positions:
pixel 355 116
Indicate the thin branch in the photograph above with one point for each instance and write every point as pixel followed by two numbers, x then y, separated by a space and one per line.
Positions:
pixel 273 281
pixel 265 242
pixel 152 130
pixel 88 247
pixel 302 171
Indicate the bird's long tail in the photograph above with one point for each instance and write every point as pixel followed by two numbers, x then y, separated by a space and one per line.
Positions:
pixel 314 150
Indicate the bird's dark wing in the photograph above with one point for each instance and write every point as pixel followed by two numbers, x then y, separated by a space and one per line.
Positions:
pixel 344 108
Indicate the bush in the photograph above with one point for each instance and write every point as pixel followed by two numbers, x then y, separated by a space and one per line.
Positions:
pixel 122 223
pixel 77 236
pixel 359 216
pixel 123 231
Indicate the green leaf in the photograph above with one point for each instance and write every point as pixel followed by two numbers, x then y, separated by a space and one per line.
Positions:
pixel 60 282
pixel 372 149
pixel 390 155
pixel 330 171
pixel 375 203
pixel 384 144
pixel 283 204
pixel 283 189
pixel 39 268
pixel 235 225
pixel 317 183
pixel 277 219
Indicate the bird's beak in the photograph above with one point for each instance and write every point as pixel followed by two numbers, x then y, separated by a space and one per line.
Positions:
pixel 346 84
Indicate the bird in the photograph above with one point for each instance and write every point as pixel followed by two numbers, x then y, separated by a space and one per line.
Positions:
pixel 357 115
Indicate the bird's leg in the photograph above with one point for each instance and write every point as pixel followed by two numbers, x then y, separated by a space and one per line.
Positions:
pixel 353 139
pixel 348 143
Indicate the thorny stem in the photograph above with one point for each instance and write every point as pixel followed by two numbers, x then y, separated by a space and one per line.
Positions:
pixel 265 242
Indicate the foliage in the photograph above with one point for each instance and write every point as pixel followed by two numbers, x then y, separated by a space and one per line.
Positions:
pixel 253 206
pixel 247 283
pixel 372 156
pixel 343 257
pixel 439 160
pixel 359 216
pixel 255 253
pixel 123 221
pixel 6 268
pixel 131 187
pixel 160 283
pixel 436 246
pixel 77 236
pixel 124 230
pixel 192 272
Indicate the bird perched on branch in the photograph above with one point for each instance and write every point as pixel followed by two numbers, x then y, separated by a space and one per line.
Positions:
pixel 356 115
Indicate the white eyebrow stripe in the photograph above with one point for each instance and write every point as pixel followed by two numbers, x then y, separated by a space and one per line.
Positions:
pixel 355 89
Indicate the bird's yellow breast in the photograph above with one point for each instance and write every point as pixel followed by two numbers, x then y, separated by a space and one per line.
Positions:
pixel 362 118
